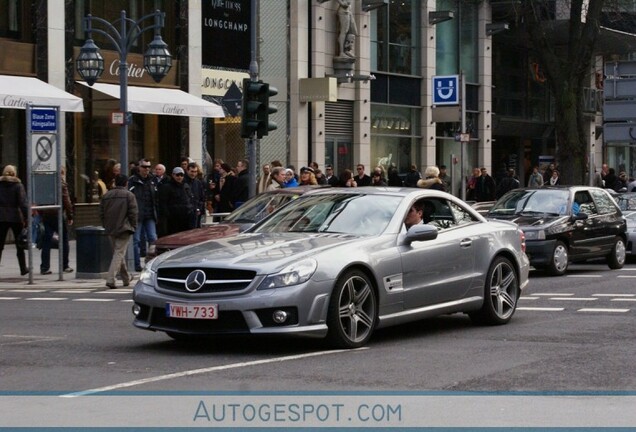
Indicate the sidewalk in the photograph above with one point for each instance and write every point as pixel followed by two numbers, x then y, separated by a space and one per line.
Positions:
pixel 10 272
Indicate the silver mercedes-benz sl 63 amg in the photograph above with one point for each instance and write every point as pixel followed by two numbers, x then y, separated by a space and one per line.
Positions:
pixel 339 263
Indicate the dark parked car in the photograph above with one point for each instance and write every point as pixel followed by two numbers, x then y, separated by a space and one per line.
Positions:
pixel 626 201
pixel 238 221
pixel 566 224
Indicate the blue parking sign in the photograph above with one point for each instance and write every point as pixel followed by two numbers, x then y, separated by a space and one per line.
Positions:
pixel 446 90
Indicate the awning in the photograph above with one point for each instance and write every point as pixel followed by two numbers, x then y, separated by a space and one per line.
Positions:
pixel 162 101
pixel 17 91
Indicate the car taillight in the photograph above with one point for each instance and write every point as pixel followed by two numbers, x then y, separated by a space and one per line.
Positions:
pixel 522 235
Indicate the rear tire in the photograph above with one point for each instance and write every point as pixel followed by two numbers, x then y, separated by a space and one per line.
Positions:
pixel 353 310
pixel 616 258
pixel 559 260
pixel 501 293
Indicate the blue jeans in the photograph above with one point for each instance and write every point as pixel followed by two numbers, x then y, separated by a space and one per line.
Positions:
pixel 50 226
pixel 149 228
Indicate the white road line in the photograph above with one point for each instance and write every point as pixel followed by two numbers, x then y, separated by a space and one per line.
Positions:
pixel 584 276
pixel 602 310
pixel 93 300
pixel 613 295
pixel 204 371
pixel 9 298
pixel 552 294
pixel 626 276
pixel 628 269
pixel 528 298
pixel 27 290
pixel 73 291
pixel 126 301
pixel 115 291
pixel 47 298
pixel 542 309
pixel 574 298
pixel 624 299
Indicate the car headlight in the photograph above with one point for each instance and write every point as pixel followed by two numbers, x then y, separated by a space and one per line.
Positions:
pixel 293 274
pixel 535 235
pixel 148 274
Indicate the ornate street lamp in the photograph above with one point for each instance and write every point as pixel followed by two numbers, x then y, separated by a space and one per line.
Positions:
pixel 157 59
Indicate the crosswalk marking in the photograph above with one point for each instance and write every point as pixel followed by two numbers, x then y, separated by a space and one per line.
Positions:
pixel 584 276
pixel 542 309
pixel 9 298
pixel 613 295
pixel 602 310
pixel 47 298
pixel 93 300
pixel 574 298
pixel 553 294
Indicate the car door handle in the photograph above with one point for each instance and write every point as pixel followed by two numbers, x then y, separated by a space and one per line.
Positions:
pixel 465 243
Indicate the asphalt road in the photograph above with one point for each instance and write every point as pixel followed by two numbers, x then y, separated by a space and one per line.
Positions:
pixel 572 333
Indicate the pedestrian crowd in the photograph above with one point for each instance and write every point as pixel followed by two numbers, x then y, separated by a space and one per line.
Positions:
pixel 154 201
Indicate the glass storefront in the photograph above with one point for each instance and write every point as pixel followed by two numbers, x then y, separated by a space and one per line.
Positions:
pixel 393 142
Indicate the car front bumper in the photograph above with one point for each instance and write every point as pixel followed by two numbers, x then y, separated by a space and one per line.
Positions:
pixel 540 251
pixel 250 313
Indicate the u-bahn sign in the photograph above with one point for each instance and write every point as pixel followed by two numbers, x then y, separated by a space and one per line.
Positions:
pixel 445 90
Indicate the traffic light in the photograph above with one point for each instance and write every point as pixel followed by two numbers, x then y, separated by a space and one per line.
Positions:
pixel 256 109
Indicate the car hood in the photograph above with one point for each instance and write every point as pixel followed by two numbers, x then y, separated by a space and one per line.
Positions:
pixel 533 220
pixel 198 235
pixel 255 250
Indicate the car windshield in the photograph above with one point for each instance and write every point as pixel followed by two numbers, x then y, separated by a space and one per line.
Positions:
pixel 357 214
pixel 532 201
pixel 258 208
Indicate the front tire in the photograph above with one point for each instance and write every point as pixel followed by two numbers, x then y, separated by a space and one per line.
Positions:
pixel 616 258
pixel 353 311
pixel 501 294
pixel 559 261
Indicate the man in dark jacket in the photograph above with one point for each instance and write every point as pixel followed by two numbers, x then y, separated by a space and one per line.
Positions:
pixel 198 193
pixel 144 189
pixel 241 190
pixel 175 204
pixel 119 215
pixel 485 187
pixel 507 183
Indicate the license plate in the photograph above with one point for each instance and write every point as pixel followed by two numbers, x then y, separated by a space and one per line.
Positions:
pixel 192 311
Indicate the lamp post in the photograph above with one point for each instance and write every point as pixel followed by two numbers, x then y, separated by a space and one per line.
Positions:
pixel 157 60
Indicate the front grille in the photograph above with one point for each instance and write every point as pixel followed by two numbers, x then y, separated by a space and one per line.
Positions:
pixel 217 280
pixel 228 322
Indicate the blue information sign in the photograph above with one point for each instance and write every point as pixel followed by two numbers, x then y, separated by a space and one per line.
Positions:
pixel 43 120
pixel 446 90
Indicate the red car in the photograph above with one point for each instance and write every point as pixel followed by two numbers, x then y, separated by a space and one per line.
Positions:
pixel 239 220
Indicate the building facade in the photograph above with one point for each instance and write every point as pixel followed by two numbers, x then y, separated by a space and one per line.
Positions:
pixel 345 97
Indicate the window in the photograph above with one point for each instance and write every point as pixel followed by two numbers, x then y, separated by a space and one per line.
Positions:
pixel 394 36
pixel 393 137
pixel 604 203
pixel 11 22
pixel 456 40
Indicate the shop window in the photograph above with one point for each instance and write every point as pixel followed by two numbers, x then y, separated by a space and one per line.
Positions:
pixel 12 19
pixel 393 139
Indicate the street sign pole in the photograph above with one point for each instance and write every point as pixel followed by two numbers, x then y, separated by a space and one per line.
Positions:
pixel 253 141
pixel 463 143
pixel 44 157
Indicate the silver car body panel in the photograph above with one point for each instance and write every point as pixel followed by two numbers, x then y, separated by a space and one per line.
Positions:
pixel 411 281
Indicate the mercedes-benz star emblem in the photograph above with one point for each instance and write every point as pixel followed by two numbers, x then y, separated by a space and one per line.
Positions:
pixel 195 280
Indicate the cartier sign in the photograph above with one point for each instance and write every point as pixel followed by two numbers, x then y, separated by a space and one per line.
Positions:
pixel 14 102
pixel 136 72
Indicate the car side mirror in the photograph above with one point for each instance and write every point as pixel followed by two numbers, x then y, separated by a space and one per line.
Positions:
pixel 420 232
